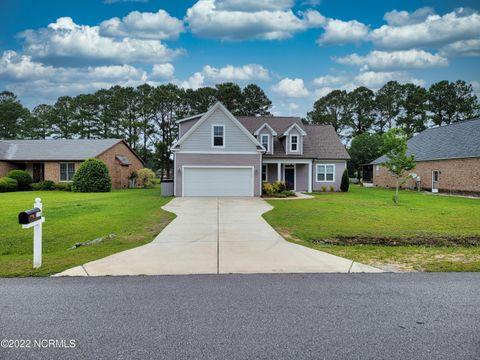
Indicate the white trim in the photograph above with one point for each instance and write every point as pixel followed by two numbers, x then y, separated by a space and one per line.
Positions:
pixel 310 177
pixel 267 150
pixel 294 175
pixel 189 118
pixel 224 138
pixel 286 161
pixel 218 152
pixel 218 167
pixel 300 130
pixel 316 172
pixel 298 143
pixel 218 105
pixel 435 190
pixel 273 132
pixel 266 173
pixel 175 175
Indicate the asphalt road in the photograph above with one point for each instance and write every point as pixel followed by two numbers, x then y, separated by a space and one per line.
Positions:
pixel 301 316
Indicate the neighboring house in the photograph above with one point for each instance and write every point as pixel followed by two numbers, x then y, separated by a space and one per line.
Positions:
pixel 447 159
pixel 57 160
pixel 218 154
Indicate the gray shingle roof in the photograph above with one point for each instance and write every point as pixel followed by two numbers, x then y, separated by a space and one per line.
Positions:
pixel 321 142
pixel 44 150
pixel 455 141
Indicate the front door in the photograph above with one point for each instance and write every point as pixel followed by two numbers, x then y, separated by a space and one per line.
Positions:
pixel 38 172
pixel 290 177
pixel 435 178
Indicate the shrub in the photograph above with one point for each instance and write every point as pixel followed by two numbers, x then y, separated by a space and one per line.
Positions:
pixel 36 186
pixel 324 188
pixel 345 184
pixel 64 186
pixel 43 185
pixel 23 178
pixel 8 184
pixel 332 188
pixel 92 176
pixel 279 186
pixel 146 178
pixel 267 189
pixel 288 193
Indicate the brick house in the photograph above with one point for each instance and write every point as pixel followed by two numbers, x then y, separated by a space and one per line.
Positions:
pixel 447 159
pixel 57 160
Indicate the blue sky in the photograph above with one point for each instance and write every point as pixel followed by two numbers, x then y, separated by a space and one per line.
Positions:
pixel 295 50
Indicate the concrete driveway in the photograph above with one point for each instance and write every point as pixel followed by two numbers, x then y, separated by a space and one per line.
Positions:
pixel 217 236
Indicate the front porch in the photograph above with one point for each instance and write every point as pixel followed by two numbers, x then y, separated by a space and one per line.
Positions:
pixel 296 173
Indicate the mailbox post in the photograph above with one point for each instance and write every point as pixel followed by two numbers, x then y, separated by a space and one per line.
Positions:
pixel 33 218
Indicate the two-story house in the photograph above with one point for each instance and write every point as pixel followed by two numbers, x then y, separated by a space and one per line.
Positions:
pixel 218 154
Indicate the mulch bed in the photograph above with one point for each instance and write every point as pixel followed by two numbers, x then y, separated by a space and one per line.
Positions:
pixel 463 241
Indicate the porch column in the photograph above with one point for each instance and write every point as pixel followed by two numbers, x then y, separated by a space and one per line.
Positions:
pixel 310 176
pixel 279 171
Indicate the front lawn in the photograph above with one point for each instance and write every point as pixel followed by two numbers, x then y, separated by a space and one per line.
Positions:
pixel 366 217
pixel 134 216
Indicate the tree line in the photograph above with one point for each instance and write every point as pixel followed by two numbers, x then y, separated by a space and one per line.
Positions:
pixel 143 116
pixel 362 116
pixel 409 107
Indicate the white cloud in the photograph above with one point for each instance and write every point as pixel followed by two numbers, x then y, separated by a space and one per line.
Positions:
pixel 237 20
pixel 291 88
pixel 76 43
pixel 341 32
pixel 400 18
pixel 143 25
pixel 163 71
pixel 36 83
pixel 371 79
pixel 395 60
pixel 18 67
pixel 253 5
pixel 329 80
pixel 194 82
pixel 462 48
pixel 293 106
pixel 232 73
pixel 375 80
pixel 435 30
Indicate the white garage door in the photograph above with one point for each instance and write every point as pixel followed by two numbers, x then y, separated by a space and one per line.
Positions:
pixel 218 181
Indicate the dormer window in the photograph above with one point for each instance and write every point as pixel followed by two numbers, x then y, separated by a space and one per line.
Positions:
pixel 265 141
pixel 293 143
pixel 218 136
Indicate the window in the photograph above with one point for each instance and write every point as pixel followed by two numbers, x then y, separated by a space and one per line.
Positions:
pixel 264 173
pixel 66 171
pixel 377 169
pixel 294 143
pixel 265 141
pixel 325 172
pixel 218 136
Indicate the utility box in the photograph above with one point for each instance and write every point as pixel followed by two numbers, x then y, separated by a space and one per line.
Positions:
pixel 166 187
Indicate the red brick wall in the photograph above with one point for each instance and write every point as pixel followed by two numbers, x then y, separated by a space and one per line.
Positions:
pixel 118 172
pixel 5 167
pixel 455 175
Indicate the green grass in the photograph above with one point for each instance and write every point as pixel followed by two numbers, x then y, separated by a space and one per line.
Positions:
pixel 370 212
pixel 134 216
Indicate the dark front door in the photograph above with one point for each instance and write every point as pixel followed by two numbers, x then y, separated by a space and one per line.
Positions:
pixel 38 172
pixel 290 177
